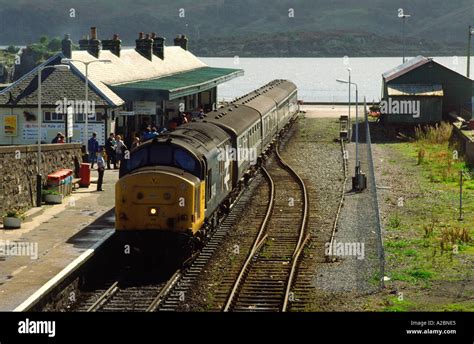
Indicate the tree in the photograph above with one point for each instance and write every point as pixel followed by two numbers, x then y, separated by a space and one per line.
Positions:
pixel 12 49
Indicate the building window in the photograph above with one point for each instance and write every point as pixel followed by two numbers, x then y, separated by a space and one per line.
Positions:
pixel 93 117
pixel 50 116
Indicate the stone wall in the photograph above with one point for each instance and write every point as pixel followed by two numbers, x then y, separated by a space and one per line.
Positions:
pixel 18 170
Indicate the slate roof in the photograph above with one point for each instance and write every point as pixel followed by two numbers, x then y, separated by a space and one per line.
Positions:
pixel 56 85
pixel 130 67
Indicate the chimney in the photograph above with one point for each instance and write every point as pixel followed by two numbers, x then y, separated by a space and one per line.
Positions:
pixel 158 45
pixel 181 41
pixel 66 46
pixel 144 45
pixel 92 45
pixel 114 45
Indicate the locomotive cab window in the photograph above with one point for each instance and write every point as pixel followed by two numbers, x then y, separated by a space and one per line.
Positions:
pixel 164 155
pixel 138 159
pixel 161 155
pixel 184 160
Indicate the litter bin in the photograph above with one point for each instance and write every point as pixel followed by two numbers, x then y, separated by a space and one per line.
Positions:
pixel 85 175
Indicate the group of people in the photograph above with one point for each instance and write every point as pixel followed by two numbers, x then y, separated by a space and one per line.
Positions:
pixel 114 148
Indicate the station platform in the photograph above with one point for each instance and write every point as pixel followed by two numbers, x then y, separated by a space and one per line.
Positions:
pixel 52 237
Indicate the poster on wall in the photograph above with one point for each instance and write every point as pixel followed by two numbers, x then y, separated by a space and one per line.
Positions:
pixel 10 125
pixel 29 132
pixel 144 108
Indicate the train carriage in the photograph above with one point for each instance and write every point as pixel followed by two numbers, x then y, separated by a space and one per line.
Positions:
pixel 241 124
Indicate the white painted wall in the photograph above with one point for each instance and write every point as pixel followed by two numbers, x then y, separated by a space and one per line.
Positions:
pixel 27 131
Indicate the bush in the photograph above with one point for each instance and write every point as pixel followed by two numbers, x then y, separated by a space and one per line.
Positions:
pixel 14 213
pixel 439 133
pixel 12 49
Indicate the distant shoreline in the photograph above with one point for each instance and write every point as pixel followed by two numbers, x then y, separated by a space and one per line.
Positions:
pixel 3 47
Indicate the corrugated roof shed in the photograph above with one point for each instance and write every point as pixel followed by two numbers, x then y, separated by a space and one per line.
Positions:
pixel 405 67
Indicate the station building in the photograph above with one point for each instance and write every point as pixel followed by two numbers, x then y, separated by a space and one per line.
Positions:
pixel 146 85
pixel 436 89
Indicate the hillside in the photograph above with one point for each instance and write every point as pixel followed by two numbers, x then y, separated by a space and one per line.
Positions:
pixel 239 26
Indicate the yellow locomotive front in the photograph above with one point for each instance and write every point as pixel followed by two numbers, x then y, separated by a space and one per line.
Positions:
pixel 159 199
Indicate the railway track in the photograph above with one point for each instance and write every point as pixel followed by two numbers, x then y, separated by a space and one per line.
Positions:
pixel 126 293
pixel 276 254
pixel 266 278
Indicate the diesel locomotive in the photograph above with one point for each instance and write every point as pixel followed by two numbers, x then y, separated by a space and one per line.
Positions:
pixel 176 186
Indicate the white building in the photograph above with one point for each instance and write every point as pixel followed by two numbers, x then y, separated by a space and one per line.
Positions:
pixel 149 84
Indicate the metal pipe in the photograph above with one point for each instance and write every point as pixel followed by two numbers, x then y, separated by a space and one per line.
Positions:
pixel 357 129
pixel 349 128
pixel 403 39
pixel 86 136
pixel 468 73
pixel 39 181
pixel 460 195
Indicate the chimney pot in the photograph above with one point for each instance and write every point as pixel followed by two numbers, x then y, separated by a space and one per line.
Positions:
pixel 114 45
pixel 92 45
pixel 182 41
pixel 158 45
pixel 144 46
pixel 66 46
pixel 93 32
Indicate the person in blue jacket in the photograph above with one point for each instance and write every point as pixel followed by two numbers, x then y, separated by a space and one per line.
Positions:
pixel 93 148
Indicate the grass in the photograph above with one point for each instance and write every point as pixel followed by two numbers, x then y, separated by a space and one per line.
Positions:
pixel 456 307
pixel 394 221
pixel 425 243
pixel 395 304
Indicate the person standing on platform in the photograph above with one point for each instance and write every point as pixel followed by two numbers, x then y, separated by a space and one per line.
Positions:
pixel 110 150
pixel 93 148
pixel 120 148
pixel 100 170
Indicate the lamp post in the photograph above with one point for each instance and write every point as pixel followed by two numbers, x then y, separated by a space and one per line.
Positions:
pixel 471 33
pixel 403 16
pixel 349 70
pixel 358 178
pixel 357 118
pixel 39 182
pixel 86 120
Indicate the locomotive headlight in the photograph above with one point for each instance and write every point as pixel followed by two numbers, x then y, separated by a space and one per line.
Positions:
pixel 153 211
